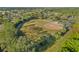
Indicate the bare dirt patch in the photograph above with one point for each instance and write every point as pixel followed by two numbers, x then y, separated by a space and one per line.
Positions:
pixel 55 26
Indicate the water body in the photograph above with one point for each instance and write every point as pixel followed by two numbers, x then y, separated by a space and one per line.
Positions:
pixel 20 24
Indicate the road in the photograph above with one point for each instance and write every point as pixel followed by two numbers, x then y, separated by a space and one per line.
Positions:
pixel 58 44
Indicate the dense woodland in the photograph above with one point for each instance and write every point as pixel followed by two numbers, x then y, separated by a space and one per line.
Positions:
pixel 39 29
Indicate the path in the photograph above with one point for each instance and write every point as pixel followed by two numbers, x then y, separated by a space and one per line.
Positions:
pixel 57 46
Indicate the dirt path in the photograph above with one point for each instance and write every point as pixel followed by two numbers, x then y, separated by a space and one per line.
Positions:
pixel 57 46
pixel 1 27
